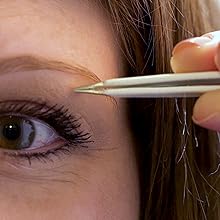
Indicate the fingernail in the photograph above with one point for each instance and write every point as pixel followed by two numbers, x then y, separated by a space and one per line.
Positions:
pixel 217 57
pixel 211 122
pixel 192 42
pixel 173 65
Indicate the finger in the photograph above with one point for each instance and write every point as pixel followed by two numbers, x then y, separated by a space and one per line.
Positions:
pixel 206 111
pixel 196 54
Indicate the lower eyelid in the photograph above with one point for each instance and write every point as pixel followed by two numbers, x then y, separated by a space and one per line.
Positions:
pixel 51 154
pixel 53 145
pixel 57 151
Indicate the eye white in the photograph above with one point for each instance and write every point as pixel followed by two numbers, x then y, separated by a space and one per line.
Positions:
pixel 44 134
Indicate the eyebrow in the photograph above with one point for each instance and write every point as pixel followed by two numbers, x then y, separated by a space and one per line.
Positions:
pixel 29 63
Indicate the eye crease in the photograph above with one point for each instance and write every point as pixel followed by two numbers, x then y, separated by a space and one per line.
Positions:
pixel 33 130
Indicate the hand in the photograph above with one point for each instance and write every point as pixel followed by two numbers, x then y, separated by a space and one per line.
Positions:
pixel 201 54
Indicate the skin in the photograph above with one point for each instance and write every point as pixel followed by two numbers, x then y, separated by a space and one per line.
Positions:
pixel 196 55
pixel 100 182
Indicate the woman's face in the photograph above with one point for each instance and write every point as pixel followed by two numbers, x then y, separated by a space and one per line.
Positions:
pixel 63 155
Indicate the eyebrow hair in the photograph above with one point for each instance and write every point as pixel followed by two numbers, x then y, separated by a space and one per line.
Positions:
pixel 28 63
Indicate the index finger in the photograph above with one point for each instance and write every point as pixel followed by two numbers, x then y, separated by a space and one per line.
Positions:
pixel 196 54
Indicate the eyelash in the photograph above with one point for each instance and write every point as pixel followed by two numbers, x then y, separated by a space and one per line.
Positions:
pixel 58 117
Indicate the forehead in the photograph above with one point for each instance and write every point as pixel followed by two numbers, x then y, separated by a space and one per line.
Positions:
pixel 71 31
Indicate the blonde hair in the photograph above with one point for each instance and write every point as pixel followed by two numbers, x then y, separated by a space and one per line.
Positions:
pixel 177 158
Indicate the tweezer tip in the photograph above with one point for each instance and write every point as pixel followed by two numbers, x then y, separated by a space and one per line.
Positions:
pixel 91 89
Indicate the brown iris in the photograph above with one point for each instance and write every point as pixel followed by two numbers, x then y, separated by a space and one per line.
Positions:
pixel 16 132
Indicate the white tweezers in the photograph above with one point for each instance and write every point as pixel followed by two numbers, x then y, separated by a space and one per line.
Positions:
pixel 157 86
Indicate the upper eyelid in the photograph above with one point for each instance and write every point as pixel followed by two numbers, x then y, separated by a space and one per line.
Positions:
pixel 28 63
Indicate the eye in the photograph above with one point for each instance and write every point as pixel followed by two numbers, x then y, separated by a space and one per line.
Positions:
pixel 20 132
pixel 34 130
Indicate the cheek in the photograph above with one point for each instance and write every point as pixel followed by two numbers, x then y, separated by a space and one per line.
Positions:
pixel 101 188
pixel 110 190
pixel 111 187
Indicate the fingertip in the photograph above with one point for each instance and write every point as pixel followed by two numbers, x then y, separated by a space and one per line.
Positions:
pixel 212 122
pixel 206 111
pixel 196 54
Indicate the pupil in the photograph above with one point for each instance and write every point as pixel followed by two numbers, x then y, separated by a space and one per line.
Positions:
pixel 12 131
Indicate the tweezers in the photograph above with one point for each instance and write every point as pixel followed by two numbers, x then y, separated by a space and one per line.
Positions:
pixel 156 86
